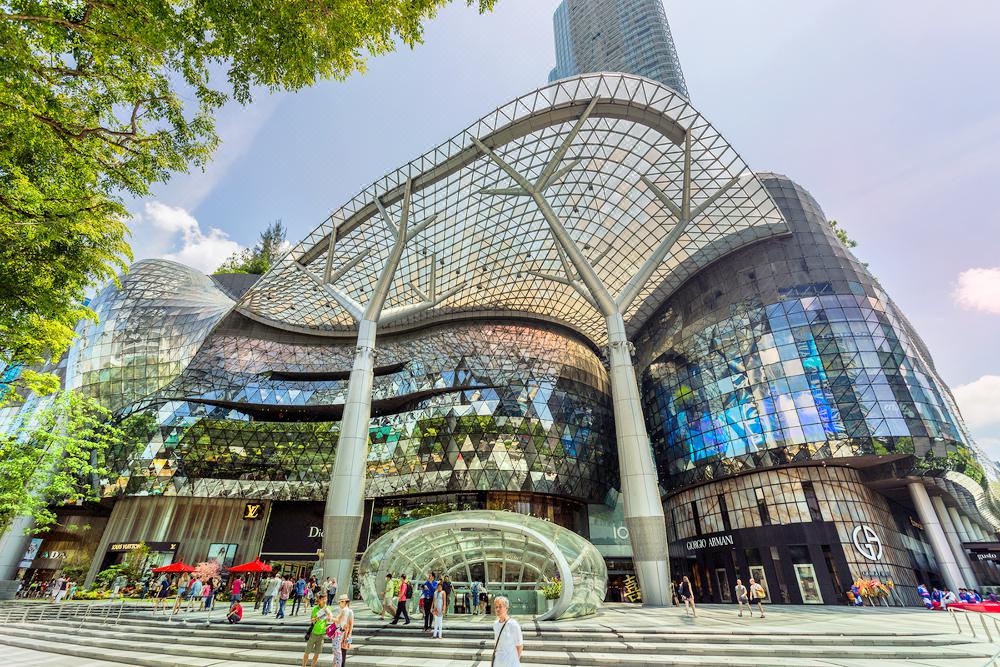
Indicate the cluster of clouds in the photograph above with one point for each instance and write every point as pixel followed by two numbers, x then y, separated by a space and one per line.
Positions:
pixel 979 289
pixel 979 402
pixel 171 232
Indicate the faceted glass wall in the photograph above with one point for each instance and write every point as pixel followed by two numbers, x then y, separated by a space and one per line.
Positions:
pixel 146 331
pixel 789 351
pixel 815 376
pixel 472 407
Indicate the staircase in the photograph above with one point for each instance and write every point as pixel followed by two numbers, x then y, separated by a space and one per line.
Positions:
pixel 717 637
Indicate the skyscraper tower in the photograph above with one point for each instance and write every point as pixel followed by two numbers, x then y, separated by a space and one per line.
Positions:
pixel 630 36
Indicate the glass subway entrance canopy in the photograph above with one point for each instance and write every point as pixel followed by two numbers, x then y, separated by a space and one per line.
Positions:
pixel 511 553
pixel 637 176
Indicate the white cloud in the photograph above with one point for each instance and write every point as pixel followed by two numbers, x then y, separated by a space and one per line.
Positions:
pixel 979 289
pixel 979 402
pixel 170 232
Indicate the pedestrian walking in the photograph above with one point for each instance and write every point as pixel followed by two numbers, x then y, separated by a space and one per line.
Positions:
pixel 475 597
pixel 345 623
pixel 194 594
pixel 331 589
pixel 429 588
pixel 687 596
pixel 403 598
pixel 182 592
pixel 484 599
pixel 757 595
pixel 206 593
pixel 437 610
pixel 316 634
pixel 216 590
pixel 284 592
pixel 61 588
pixel 271 585
pixel 297 593
pixel 162 592
pixel 448 590
pixel 742 598
pixel 236 591
pixel 508 642
pixel 388 595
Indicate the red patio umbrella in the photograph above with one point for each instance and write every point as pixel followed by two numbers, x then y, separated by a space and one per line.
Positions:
pixel 179 566
pixel 254 566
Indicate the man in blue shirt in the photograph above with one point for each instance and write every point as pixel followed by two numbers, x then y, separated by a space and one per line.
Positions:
pixel 429 587
pixel 300 590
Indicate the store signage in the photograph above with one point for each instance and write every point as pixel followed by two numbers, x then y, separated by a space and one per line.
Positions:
pixel 985 555
pixel 153 546
pixel 252 512
pixel 294 527
pixel 867 542
pixel 714 541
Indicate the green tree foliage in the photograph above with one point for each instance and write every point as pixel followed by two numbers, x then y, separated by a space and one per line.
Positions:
pixel 259 258
pixel 55 459
pixel 100 99
pixel 842 235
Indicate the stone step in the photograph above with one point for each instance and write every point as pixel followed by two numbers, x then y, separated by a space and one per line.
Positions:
pixel 426 649
pixel 601 642
pixel 151 659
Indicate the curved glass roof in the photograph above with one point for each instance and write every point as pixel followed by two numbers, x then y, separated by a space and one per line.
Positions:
pixel 504 550
pixel 483 249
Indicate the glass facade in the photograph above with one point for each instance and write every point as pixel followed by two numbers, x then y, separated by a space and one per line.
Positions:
pixel 616 36
pixel 145 333
pixel 510 553
pixel 775 502
pixel 803 357
pixel 471 407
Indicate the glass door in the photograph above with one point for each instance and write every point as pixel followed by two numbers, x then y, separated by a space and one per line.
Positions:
pixel 723 580
pixel 805 573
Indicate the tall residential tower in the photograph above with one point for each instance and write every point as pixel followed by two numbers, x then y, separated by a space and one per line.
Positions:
pixel 630 36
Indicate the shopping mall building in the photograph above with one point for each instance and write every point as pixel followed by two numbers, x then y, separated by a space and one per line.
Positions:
pixel 584 307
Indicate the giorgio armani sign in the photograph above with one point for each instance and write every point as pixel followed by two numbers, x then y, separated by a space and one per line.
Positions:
pixel 709 542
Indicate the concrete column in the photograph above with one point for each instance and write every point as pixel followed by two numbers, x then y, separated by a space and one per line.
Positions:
pixel 345 500
pixel 961 526
pixel 955 541
pixel 13 544
pixel 640 489
pixel 950 571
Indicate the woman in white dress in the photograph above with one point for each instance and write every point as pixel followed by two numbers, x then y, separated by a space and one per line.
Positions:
pixel 437 608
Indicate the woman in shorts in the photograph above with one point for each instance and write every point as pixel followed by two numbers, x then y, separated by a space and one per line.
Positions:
pixel 687 596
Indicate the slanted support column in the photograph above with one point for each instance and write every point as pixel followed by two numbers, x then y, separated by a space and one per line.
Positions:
pixel 939 543
pixel 345 499
pixel 644 517
pixel 951 533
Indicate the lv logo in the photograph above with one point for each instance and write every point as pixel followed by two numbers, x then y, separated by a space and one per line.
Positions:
pixel 251 511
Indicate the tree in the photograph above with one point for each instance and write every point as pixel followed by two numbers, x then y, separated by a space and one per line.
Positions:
pixel 54 459
pixel 258 259
pixel 101 99
pixel 842 235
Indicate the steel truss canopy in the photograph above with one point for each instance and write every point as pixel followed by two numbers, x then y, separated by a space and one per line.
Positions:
pixel 647 189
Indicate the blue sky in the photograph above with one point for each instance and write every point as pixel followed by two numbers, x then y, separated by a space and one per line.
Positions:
pixel 888 112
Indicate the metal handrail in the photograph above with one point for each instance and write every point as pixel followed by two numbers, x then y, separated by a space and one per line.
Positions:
pixel 982 620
